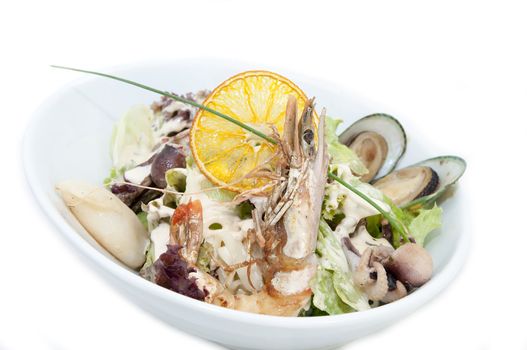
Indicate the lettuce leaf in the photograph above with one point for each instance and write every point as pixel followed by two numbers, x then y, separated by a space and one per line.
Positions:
pixel 176 179
pixel 132 138
pixel 333 288
pixel 426 221
pixel 420 223
pixel 339 153
pixel 351 296
pixel 329 249
pixel 325 297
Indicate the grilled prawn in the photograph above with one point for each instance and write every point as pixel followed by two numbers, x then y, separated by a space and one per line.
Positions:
pixel 285 228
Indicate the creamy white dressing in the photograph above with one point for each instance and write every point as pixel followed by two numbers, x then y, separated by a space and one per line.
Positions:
pixel 228 240
pixel 160 237
pixel 175 124
pixel 293 282
pixel 138 174
pixel 159 230
pixel 162 127
pixel 354 207
pixel 362 240
pixel 214 212
pixel 133 139
pixel 296 221
pixel 205 282
pixel 156 211
pixel 176 106
pixel 131 155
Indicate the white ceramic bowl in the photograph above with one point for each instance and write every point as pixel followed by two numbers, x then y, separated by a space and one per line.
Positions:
pixel 68 138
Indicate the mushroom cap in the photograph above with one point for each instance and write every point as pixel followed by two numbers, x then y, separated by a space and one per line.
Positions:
pixel 411 264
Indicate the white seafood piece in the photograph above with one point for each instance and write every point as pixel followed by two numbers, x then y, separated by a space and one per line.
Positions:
pixel 108 220
pixel 362 240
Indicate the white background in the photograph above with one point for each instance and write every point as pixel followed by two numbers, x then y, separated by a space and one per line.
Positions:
pixel 460 66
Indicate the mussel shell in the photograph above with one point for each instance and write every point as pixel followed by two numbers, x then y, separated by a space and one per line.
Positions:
pixel 405 185
pixel 386 126
pixel 449 170
pixel 446 171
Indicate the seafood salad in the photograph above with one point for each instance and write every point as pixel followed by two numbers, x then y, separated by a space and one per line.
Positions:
pixel 247 198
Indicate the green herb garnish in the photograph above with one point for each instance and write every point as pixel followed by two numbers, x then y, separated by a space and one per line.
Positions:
pixel 397 225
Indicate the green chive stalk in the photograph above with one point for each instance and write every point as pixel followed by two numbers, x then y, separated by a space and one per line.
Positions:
pixel 177 98
pixel 394 222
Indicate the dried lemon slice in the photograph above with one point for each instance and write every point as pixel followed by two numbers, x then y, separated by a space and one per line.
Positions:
pixel 227 153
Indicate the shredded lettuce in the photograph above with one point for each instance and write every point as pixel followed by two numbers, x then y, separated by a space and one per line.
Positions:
pixel 339 153
pixel 333 288
pixel 132 138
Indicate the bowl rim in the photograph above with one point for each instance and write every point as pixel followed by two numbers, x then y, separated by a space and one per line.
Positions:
pixel 406 305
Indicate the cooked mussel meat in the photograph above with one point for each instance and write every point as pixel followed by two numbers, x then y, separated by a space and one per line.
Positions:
pixel 405 185
pixel 372 150
pixel 422 183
